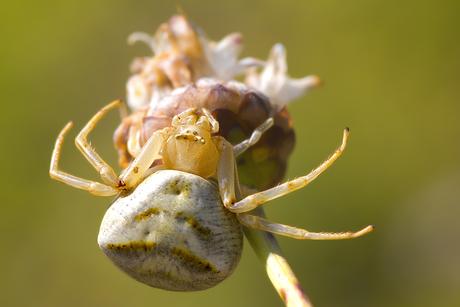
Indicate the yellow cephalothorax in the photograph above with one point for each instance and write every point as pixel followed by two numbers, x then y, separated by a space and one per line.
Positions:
pixel 190 146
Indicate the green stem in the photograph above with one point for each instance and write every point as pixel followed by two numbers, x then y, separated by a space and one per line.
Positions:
pixel 278 269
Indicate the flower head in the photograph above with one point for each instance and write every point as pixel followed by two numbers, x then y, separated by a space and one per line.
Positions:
pixel 182 55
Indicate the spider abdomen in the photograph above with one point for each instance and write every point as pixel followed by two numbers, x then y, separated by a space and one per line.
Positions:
pixel 172 232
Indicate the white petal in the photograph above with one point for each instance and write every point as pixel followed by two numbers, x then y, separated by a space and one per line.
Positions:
pixel 142 37
pixel 158 93
pixel 138 92
pixel 274 82
pixel 230 46
pixel 295 88
pixel 223 56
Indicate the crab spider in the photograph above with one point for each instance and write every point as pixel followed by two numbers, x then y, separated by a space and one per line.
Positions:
pixel 200 154
pixel 193 159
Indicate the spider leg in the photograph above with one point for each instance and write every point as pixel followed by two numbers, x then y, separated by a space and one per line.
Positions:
pixel 133 144
pixel 81 141
pixel 252 201
pixel 93 187
pixel 138 168
pixel 226 172
pixel 238 149
pixel 214 123
pixel 261 223
pixel 124 111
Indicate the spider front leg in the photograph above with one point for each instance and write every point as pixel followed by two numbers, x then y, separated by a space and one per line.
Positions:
pixel 130 177
pixel 81 141
pixel 238 149
pixel 139 167
pixel 252 201
pixel 260 223
pixel 93 187
pixel 227 175
pixel 226 172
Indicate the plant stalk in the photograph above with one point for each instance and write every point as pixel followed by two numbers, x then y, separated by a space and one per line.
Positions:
pixel 281 275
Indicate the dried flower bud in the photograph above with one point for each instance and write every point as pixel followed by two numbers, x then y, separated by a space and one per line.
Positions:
pixel 182 55
pixel 188 70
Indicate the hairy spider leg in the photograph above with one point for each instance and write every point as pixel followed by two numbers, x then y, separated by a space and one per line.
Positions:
pixel 260 223
pixel 93 187
pixel 133 144
pixel 81 141
pixel 124 111
pixel 263 224
pixel 227 173
pixel 238 149
pixel 138 168
pixel 252 201
pixel 129 178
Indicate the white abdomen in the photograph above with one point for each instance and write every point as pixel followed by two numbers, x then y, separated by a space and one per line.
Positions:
pixel 172 232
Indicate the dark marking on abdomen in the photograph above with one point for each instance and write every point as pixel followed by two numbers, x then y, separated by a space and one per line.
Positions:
pixel 146 214
pixel 132 246
pixel 179 216
pixel 193 261
pixel 194 223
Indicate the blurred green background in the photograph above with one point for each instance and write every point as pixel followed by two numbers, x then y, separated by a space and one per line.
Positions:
pixel 391 72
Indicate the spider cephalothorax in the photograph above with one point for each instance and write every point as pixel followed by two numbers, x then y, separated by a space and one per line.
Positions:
pixel 190 146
